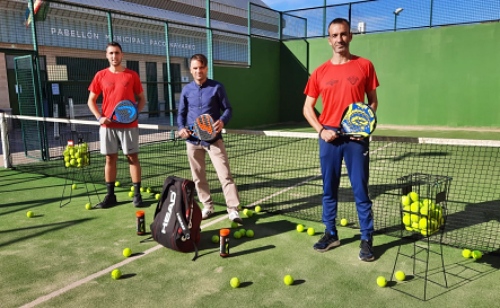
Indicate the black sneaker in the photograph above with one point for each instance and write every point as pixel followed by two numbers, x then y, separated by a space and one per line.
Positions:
pixel 137 201
pixel 366 252
pixel 326 242
pixel 109 201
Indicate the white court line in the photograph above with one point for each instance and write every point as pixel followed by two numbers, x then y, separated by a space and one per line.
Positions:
pixel 105 271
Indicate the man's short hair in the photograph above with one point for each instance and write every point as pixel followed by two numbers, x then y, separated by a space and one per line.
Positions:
pixel 199 57
pixel 114 44
pixel 340 21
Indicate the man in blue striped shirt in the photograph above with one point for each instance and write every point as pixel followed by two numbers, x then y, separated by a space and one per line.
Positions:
pixel 207 96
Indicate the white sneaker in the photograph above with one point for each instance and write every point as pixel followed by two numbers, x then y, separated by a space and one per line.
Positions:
pixel 235 216
pixel 206 213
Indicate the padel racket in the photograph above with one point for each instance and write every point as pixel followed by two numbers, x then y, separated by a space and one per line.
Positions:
pixel 358 121
pixel 203 128
pixel 125 112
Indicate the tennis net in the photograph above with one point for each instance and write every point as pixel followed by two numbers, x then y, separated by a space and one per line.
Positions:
pixel 280 171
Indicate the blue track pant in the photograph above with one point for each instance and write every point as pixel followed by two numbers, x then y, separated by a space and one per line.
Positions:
pixel 356 157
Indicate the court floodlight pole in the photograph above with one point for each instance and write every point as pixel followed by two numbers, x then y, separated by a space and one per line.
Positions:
pixel 396 13
pixel 209 42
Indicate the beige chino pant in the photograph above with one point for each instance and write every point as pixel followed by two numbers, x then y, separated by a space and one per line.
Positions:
pixel 218 155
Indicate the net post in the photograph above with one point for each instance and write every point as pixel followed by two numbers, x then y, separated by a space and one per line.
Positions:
pixel 5 140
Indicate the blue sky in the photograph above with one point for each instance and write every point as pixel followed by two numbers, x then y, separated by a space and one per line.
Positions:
pixel 286 5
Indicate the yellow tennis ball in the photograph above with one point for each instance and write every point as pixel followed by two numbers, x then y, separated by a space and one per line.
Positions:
pixel 234 224
pixel 405 200
pixel 400 275
pixel 117 184
pixel 413 196
pixel 300 228
pixel 415 207
pixel 157 196
pixel 148 190
pixel 311 231
pixel 243 232
pixel 234 282
pixel 88 206
pixel 131 194
pixel 30 214
pixel 467 253
pixel 381 281
pixel 116 274
pixel 127 252
pixel 258 209
pixel 215 238
pixel 476 254
pixel 344 222
pixel 74 186
pixel 288 280
pixel 249 233
pixel 237 234
pixel 142 189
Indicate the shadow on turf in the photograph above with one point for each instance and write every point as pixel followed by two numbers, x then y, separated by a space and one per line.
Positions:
pixel 49 228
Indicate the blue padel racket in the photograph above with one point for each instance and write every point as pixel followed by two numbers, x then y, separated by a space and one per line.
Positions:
pixel 358 121
pixel 125 112
pixel 203 128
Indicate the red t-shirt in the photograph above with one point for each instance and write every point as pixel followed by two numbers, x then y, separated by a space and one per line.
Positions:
pixel 116 87
pixel 341 85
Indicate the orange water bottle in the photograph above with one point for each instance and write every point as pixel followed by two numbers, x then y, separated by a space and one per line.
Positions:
pixel 224 242
pixel 140 222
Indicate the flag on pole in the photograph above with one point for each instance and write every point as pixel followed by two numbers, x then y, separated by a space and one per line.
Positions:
pixel 37 4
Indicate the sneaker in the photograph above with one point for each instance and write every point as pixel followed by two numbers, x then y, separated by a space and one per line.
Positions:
pixel 137 201
pixel 206 213
pixel 235 217
pixel 109 201
pixel 326 242
pixel 366 252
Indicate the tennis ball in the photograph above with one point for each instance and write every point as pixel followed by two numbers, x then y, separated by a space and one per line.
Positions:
pixel 413 196
pixel 215 238
pixel 88 206
pixel 67 164
pixel 234 282
pixel 406 220
pixel 258 209
pixel 131 194
pixel 249 233
pixel 127 252
pixel 117 184
pixel 288 280
pixel 234 224
pixel 157 196
pixel 116 274
pixel 74 186
pixel 415 207
pixel 476 254
pixel 344 222
pixel 311 231
pixel 148 190
pixel 132 188
pixel 30 214
pixel 400 275
pixel 405 200
pixel 381 281
pixel 466 253
pixel 300 228
pixel 423 223
pixel 243 231
pixel 237 234
pixel 142 189
pixel 249 213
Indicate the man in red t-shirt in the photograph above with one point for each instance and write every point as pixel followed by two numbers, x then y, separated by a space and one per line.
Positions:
pixel 117 83
pixel 342 80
